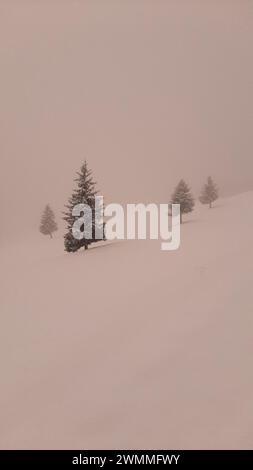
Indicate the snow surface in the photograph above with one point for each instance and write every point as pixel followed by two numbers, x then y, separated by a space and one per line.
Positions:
pixel 126 346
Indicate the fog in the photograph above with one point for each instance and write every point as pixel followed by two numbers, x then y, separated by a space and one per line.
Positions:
pixel 146 91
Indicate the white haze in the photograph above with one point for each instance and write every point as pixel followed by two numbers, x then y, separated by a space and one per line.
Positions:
pixel 148 92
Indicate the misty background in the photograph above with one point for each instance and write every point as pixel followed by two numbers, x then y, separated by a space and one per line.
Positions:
pixel 146 91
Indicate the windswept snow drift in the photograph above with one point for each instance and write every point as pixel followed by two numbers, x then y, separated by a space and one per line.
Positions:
pixel 126 346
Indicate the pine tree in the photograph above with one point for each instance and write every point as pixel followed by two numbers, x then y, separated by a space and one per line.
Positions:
pixel 182 195
pixel 84 193
pixel 48 224
pixel 209 193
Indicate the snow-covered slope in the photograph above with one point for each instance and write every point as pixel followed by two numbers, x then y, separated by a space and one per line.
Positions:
pixel 126 346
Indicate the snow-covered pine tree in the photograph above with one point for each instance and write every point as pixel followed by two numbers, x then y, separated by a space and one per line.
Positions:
pixel 84 193
pixel 209 192
pixel 182 195
pixel 48 224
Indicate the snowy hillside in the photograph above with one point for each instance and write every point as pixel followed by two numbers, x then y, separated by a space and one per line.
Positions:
pixel 126 346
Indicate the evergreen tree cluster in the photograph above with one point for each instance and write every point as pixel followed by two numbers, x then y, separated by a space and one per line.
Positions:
pixel 85 192
pixel 182 195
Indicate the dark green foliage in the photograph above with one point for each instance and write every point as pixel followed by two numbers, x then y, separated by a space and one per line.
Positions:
pixel 182 195
pixel 209 192
pixel 48 224
pixel 84 193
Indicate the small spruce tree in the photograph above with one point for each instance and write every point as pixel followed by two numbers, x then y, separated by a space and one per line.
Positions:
pixel 209 193
pixel 84 193
pixel 182 195
pixel 48 224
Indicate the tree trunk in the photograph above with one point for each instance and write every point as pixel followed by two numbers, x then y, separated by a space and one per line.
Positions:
pixel 210 205
pixel 51 236
pixel 181 217
pixel 86 247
